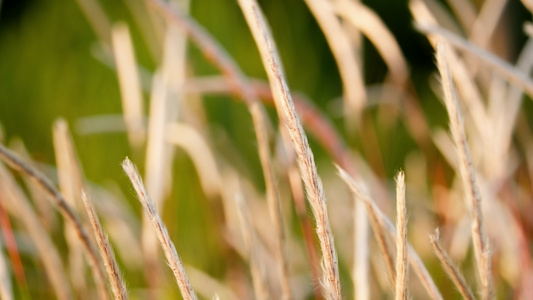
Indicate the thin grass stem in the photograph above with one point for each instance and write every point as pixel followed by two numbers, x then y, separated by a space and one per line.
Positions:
pixel 306 163
pixel 402 265
pixel 382 220
pixel 450 268
pixel 106 251
pixel 467 173
pixel 161 231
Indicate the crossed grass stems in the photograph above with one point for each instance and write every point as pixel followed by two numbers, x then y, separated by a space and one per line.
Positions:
pixel 392 240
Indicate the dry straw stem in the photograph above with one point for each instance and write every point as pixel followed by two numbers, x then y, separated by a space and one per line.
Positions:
pixel 250 242
pixel 344 53
pixel 70 184
pixel 402 266
pixel 503 68
pixel 66 210
pixel 361 260
pixel 18 206
pixel 106 251
pixel 306 163
pixel 466 170
pixel 213 50
pixel 450 268
pixel 387 226
pixel 165 99
pixel 129 82
pixel 381 238
pixel 161 231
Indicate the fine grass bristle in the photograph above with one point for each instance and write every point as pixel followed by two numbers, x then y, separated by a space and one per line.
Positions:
pixel 160 230
pixel 466 170
pixel 306 163
pixel 450 268
pixel 106 251
pixel 382 223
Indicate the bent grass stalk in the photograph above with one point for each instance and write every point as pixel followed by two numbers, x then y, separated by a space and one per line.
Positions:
pixel 306 163
pixel 161 231
pixel 66 211
pixel 106 251
pixel 467 173
pixel 386 225
pixel 450 268
pixel 70 180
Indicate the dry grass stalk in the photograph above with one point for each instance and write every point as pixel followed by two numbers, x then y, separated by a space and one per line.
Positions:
pixel 465 83
pixel 361 252
pixel 161 231
pixel 165 99
pixel 213 50
pixel 503 68
pixel 250 240
pixel 106 251
pixel 306 163
pixel 386 225
pixel 129 82
pixel 70 184
pixel 273 200
pixel 450 268
pixel 380 234
pixel 66 210
pixel 466 170
pixel 402 266
pixel 298 196
pixel 18 206
pixel 344 53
